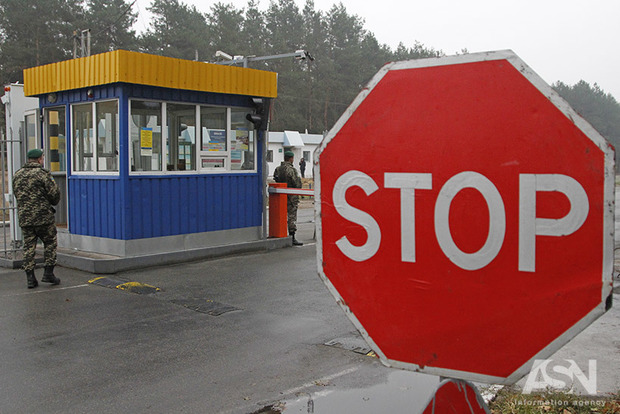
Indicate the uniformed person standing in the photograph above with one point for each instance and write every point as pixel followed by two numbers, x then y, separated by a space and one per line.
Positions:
pixel 36 193
pixel 286 173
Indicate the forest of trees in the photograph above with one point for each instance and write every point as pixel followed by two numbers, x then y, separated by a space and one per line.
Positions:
pixel 599 108
pixel 312 94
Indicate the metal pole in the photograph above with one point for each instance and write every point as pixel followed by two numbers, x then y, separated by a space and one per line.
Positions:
pixel 88 42
pixel 75 46
pixel 6 194
pixel 244 60
pixel 265 175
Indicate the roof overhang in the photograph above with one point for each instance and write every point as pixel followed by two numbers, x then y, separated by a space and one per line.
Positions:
pixel 292 139
pixel 144 69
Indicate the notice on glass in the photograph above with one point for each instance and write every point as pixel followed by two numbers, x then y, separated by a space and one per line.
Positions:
pixel 146 142
pixel 243 140
pixel 217 140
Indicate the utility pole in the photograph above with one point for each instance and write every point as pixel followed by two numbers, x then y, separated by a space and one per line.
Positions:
pixel 84 38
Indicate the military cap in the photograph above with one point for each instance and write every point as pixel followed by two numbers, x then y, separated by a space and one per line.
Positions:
pixel 35 153
pixel 288 154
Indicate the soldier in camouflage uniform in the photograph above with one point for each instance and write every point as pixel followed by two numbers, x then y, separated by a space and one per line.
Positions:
pixel 286 173
pixel 36 193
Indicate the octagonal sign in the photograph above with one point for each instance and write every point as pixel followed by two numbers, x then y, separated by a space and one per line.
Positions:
pixel 465 217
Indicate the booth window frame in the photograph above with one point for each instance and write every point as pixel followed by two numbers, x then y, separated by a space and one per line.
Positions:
pixel 94 137
pixel 206 160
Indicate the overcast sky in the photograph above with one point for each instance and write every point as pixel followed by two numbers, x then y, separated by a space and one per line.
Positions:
pixel 561 40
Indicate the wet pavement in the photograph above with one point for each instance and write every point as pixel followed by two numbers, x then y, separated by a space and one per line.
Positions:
pixel 88 348
pixel 401 392
pixel 242 334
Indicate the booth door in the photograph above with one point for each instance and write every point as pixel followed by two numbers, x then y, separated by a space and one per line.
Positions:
pixel 54 132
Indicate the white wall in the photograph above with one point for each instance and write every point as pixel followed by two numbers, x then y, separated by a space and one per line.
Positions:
pixel 276 145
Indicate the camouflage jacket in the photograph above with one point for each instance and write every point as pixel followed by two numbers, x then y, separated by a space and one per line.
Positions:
pixel 286 173
pixel 36 192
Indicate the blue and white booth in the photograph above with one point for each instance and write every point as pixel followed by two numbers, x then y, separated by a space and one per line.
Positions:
pixel 153 154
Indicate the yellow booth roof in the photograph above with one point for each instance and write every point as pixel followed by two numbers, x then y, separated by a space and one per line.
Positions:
pixel 152 70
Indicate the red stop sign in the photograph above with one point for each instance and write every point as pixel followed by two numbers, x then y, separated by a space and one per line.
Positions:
pixel 465 217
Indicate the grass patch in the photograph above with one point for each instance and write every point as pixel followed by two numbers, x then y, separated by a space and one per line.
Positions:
pixel 512 401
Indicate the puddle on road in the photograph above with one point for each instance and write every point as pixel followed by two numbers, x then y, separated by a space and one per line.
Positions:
pixel 404 392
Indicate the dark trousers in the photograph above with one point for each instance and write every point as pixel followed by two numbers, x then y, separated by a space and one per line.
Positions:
pixel 47 234
pixel 291 209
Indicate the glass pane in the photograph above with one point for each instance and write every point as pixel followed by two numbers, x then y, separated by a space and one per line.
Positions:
pixel 31 132
pixel 107 136
pixel 145 151
pixel 55 135
pixel 213 163
pixel 213 125
pixel 83 137
pixel 242 141
pixel 181 142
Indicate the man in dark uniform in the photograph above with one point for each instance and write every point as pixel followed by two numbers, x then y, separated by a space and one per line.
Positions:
pixel 302 167
pixel 286 173
pixel 36 193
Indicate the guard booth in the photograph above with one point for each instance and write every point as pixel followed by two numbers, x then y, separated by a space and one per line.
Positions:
pixel 155 154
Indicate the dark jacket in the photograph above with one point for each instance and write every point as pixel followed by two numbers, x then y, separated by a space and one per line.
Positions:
pixel 36 193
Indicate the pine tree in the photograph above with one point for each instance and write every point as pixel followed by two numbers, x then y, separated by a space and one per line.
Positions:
pixel 110 23
pixel 36 32
pixel 177 30
pixel 600 109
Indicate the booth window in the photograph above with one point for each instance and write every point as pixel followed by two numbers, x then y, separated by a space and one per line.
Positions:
pixel 145 131
pixel 181 139
pixel 213 121
pixel 177 137
pixel 107 136
pixel 242 140
pixel 55 136
pixel 83 137
pixel 31 132
pixel 95 128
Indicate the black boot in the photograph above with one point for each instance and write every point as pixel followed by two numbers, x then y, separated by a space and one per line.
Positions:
pixel 32 280
pixel 49 277
pixel 295 242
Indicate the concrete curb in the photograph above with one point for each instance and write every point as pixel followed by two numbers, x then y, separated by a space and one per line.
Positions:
pixel 109 265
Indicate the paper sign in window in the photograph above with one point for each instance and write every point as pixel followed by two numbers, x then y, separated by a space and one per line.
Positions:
pixel 216 140
pixel 146 142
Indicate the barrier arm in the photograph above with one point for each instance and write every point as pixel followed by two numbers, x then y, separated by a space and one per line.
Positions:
pixel 277 207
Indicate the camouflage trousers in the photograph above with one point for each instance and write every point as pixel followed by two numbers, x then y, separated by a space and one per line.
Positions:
pixel 292 202
pixel 47 234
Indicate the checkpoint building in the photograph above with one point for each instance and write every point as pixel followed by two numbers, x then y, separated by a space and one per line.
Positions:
pixel 152 154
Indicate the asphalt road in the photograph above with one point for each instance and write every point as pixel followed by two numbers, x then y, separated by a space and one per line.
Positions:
pixel 230 335
pixel 83 348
